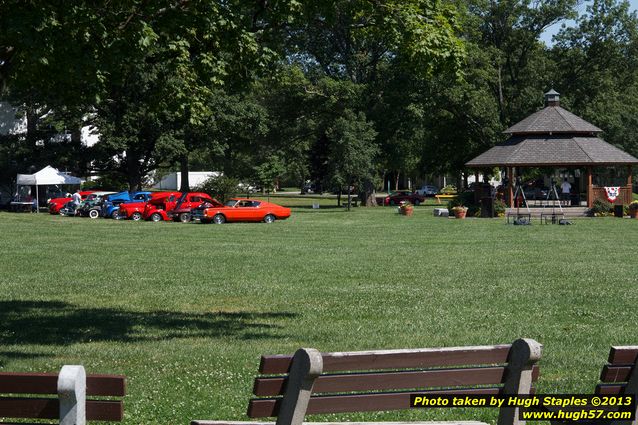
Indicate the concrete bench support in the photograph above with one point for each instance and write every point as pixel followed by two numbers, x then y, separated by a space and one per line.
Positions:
pixel 72 395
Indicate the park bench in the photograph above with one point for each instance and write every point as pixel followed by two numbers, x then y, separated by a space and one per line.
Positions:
pixel 70 407
pixel 371 380
pixel 618 377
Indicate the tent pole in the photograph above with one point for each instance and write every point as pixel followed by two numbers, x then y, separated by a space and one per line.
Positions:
pixel 37 196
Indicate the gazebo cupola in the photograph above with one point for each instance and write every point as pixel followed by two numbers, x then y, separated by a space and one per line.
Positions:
pixel 555 138
pixel 552 98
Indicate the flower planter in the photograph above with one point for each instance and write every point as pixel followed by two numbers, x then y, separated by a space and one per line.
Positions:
pixel 633 213
pixel 406 210
pixel 460 212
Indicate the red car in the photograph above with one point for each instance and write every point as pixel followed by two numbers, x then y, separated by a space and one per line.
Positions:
pixel 395 198
pixel 56 204
pixel 135 210
pixel 238 209
pixel 175 206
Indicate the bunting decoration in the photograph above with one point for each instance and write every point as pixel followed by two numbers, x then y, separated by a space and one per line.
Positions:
pixel 612 192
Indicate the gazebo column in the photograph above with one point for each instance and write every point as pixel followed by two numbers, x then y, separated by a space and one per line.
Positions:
pixel 510 186
pixel 629 190
pixel 590 188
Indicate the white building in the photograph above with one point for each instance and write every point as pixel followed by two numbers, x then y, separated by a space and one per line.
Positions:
pixel 10 124
pixel 173 181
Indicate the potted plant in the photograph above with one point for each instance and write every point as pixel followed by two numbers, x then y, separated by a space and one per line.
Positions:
pixel 459 211
pixel 406 208
pixel 633 209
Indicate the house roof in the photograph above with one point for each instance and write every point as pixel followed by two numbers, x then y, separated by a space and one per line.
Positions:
pixel 554 150
pixel 552 120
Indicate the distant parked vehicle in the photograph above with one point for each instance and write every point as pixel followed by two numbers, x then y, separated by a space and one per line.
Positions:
pixel 239 209
pixel 111 206
pixel 56 204
pixel 395 198
pixel 134 210
pixel 92 205
pixel 427 190
pixel 177 208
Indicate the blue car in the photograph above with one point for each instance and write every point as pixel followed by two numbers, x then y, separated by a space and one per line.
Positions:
pixel 111 206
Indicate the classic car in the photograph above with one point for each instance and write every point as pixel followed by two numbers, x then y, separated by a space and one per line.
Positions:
pixel 111 205
pixel 56 204
pixel 395 198
pixel 175 206
pixel 134 210
pixel 92 205
pixel 239 209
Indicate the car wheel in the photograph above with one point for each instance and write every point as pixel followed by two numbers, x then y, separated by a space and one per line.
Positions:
pixel 94 213
pixel 115 215
pixel 136 216
pixel 269 218
pixel 391 203
pixel 219 219
pixel 156 217
pixel 184 217
pixel 417 202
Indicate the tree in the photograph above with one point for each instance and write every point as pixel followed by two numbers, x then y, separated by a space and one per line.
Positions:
pixel 597 61
pixel 351 158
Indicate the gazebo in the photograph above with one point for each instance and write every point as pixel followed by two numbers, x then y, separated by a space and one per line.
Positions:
pixel 555 138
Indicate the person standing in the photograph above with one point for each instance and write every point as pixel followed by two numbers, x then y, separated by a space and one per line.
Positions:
pixel 566 189
pixel 77 198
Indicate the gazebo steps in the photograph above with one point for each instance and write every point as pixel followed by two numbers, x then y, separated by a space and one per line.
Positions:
pixel 568 212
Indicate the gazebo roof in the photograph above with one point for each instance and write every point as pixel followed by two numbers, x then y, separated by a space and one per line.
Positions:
pixel 541 151
pixel 552 136
pixel 552 120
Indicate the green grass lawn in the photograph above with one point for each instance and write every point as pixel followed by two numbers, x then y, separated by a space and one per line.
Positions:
pixel 185 310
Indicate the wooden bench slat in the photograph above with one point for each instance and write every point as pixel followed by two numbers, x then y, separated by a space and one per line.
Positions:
pixel 609 389
pixel 623 355
pixel 391 380
pixel 615 373
pixel 260 408
pixel 47 383
pixel 48 408
pixel 395 359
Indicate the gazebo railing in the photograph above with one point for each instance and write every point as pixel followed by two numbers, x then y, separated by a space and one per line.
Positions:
pixel 624 195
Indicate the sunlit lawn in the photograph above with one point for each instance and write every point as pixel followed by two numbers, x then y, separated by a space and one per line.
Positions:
pixel 185 310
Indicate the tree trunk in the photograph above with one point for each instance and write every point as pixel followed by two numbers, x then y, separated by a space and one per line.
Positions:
pixel 367 196
pixel 349 195
pixel 32 124
pixel 184 185
pixel 133 174
pixel 339 198
pixel 396 180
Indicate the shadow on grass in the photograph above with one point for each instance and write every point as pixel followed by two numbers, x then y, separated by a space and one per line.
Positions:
pixel 7 356
pixel 61 323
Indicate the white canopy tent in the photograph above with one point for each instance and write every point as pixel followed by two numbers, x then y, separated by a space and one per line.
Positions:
pixel 46 176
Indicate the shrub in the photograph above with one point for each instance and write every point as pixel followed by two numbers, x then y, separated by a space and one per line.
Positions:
pixel 601 208
pixel 450 189
pixel 499 207
pixel 221 188
pixel 465 199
